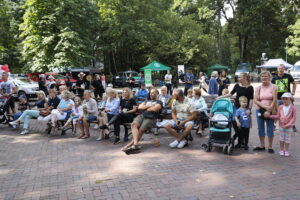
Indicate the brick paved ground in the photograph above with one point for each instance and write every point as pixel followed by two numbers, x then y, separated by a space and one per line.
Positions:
pixel 37 167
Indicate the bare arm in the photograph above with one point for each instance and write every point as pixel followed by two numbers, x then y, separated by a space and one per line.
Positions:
pixel 225 96
pixel 294 87
pixel 155 108
pixel 143 106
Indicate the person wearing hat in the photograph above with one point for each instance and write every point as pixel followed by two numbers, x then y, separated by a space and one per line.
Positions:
pixel 188 81
pixel 287 117
pixel 51 84
pixel 80 84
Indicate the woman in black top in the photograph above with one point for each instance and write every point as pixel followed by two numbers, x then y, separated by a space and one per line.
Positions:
pixel 80 84
pixel 223 81
pixel 128 113
pixel 243 88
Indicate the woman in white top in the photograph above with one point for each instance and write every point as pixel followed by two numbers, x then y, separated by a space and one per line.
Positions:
pixel 168 82
pixel 202 84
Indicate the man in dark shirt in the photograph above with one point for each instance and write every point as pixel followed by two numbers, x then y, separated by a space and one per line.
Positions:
pixel 283 82
pixel 131 81
pixel 97 86
pixel 188 81
pixel 150 112
pixel 80 85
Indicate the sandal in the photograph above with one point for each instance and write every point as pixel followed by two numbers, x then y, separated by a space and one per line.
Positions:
pixel 270 150
pixel 85 137
pixel 133 149
pixel 80 136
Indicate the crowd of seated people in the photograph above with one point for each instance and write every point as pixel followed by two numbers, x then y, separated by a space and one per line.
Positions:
pixel 138 109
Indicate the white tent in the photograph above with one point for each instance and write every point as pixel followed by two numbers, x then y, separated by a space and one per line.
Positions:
pixel 297 63
pixel 273 63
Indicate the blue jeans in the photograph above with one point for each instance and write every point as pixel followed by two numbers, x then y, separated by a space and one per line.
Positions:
pixel 28 114
pixel 261 126
pixel 16 116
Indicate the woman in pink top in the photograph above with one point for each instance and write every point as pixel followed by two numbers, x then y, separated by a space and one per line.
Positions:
pixel 265 99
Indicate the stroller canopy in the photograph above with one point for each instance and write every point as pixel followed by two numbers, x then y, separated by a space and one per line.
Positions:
pixel 222 105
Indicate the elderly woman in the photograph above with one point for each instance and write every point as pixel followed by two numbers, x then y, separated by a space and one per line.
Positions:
pixel 63 109
pixel 201 108
pixel 242 88
pixel 265 99
pixel 128 113
pixel 111 108
pixel 90 112
pixel 213 84
pixel 33 113
pixel 164 97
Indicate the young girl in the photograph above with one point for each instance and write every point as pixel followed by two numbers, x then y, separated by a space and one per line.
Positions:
pixel 243 121
pixel 22 106
pixel 76 113
pixel 287 116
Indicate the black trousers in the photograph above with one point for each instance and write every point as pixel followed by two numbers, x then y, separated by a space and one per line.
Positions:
pixel 169 87
pixel 119 120
pixel 97 94
pixel 242 134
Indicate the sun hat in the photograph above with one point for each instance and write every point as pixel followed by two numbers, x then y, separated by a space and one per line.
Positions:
pixel 287 95
pixel 81 73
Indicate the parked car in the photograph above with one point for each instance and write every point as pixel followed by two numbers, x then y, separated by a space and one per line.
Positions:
pixel 295 72
pixel 120 79
pixel 25 87
pixel 59 78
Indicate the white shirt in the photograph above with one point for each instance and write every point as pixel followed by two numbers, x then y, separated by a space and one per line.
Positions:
pixel 286 110
pixel 168 78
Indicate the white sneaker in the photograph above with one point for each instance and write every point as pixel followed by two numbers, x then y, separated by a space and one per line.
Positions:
pixel 181 144
pixel 96 126
pixel 14 126
pixel 99 138
pixel 174 144
pixel 24 132
pixel 14 123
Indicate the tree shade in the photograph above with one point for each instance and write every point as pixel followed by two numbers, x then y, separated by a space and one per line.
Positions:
pixel 156 66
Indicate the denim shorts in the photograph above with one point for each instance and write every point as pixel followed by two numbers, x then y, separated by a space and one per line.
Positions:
pixel 265 126
pixel 91 118
pixel 174 125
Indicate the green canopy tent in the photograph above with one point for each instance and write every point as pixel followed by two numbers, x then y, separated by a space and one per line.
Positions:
pixel 156 66
pixel 216 67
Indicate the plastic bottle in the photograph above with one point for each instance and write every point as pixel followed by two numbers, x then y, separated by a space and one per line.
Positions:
pixel 156 142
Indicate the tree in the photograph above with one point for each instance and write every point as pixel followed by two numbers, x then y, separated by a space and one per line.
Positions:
pixel 58 34
pixel 294 39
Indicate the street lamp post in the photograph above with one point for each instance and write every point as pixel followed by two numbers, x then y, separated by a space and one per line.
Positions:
pixel 286 48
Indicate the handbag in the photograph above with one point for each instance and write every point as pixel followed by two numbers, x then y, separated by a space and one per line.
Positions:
pixel 45 113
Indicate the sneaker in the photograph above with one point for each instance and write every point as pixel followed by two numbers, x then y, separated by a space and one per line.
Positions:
pixel 24 132
pixel 117 140
pixel 99 138
pixel 174 144
pixel 246 148
pixel 14 123
pixel 281 153
pixel 14 126
pixel 238 146
pixel 96 126
pixel 182 144
pixel 286 153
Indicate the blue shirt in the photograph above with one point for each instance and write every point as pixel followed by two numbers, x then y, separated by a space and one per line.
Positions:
pixel 243 117
pixel 188 77
pixel 113 106
pixel 213 86
pixel 64 104
pixel 200 104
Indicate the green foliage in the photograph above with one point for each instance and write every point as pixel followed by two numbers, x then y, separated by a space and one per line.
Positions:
pixel 58 34
pixel 294 39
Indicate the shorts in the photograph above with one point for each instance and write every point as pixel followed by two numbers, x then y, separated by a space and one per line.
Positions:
pixel 144 122
pixel 285 135
pixel 174 125
pixel 91 118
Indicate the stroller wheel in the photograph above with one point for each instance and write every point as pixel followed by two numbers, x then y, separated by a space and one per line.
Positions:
pixel 206 147
pixel 225 149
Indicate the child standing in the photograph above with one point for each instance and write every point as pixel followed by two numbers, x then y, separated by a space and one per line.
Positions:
pixel 243 121
pixel 287 116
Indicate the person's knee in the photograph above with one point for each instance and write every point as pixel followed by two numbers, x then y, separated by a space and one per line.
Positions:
pixel 135 125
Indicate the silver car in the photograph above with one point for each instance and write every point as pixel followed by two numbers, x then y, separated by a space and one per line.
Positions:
pixel 25 87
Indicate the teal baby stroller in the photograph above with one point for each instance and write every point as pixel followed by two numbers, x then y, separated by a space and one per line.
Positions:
pixel 220 126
